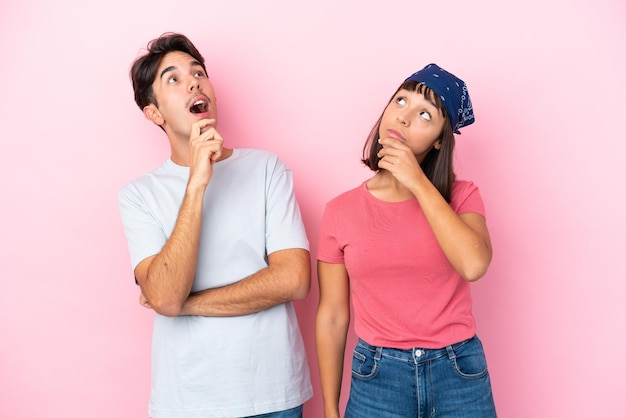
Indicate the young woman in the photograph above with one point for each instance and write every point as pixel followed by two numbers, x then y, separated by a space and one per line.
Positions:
pixel 404 247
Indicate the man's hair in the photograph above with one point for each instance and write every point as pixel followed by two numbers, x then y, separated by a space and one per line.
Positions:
pixel 144 69
pixel 438 163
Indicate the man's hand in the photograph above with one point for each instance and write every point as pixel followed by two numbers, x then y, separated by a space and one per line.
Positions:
pixel 205 148
pixel 166 278
pixel 144 302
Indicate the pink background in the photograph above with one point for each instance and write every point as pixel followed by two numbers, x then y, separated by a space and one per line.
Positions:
pixel 307 80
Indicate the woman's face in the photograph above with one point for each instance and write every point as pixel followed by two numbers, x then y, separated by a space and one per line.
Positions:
pixel 412 118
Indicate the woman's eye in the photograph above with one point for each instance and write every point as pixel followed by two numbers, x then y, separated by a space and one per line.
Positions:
pixel 401 101
pixel 425 115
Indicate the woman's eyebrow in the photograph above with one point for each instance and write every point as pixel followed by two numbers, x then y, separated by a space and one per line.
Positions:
pixel 430 99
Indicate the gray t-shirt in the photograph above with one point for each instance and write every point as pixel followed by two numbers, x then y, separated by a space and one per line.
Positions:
pixel 216 366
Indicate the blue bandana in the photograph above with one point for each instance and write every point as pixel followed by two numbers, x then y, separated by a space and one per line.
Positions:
pixel 452 91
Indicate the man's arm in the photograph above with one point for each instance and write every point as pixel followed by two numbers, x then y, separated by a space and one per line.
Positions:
pixel 167 277
pixel 286 278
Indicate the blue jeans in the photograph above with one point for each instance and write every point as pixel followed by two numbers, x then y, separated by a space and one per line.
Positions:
pixel 289 413
pixel 451 382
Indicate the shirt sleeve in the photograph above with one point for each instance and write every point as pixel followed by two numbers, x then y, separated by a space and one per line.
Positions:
pixel 285 228
pixel 329 249
pixel 466 198
pixel 144 233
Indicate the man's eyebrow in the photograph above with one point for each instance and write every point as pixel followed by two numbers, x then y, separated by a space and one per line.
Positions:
pixel 172 67
pixel 168 69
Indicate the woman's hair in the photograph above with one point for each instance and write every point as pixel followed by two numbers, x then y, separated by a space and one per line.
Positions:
pixel 438 164
pixel 143 70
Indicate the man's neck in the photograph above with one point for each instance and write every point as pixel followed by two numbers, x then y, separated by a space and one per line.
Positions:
pixel 183 158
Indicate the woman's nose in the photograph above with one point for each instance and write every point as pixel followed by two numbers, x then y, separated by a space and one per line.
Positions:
pixel 403 118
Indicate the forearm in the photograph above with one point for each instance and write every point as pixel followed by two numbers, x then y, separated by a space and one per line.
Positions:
pixel 287 278
pixel 332 320
pixel 464 239
pixel 330 341
pixel 167 281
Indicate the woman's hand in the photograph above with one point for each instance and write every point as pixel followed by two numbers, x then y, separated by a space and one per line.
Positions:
pixel 398 159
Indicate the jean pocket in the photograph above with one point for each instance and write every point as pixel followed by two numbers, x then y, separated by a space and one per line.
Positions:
pixel 364 365
pixel 469 360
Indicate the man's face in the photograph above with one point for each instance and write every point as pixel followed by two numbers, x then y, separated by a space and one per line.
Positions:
pixel 184 95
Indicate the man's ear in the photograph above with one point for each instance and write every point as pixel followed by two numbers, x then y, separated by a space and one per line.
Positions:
pixel 151 112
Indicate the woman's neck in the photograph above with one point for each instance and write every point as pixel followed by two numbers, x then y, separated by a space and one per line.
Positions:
pixel 385 187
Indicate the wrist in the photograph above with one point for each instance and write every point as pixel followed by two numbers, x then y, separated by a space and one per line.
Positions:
pixel 195 188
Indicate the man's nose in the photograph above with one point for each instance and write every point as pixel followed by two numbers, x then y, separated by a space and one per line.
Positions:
pixel 194 84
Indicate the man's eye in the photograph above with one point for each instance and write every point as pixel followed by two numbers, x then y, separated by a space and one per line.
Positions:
pixel 199 73
pixel 425 115
pixel 171 80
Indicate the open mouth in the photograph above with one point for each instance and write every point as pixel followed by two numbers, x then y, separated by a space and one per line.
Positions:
pixel 199 106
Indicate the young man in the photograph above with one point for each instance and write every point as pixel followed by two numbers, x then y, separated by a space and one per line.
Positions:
pixel 219 250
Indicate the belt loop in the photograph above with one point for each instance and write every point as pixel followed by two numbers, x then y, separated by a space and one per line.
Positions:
pixel 450 351
pixel 379 353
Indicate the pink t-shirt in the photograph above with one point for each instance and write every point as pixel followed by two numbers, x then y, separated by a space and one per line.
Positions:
pixel 404 291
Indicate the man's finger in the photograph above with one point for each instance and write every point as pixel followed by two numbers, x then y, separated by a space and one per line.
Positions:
pixel 200 127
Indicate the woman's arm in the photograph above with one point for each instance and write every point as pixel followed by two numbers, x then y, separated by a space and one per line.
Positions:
pixel 463 238
pixel 331 327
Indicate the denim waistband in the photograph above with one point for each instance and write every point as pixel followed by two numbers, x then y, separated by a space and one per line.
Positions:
pixel 415 354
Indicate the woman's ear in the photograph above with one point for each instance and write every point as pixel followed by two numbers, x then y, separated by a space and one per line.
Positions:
pixel 437 144
pixel 151 112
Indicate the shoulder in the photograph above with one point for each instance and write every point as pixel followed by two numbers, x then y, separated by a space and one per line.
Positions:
pixel 463 188
pixel 252 152
pixel 151 179
pixel 259 157
pixel 466 197
pixel 142 178
pixel 347 197
pixel 244 153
